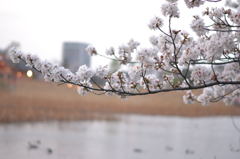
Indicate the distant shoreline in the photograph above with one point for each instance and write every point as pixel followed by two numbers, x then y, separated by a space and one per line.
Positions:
pixel 34 100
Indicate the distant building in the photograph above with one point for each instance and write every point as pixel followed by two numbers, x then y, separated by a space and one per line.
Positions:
pixel 75 55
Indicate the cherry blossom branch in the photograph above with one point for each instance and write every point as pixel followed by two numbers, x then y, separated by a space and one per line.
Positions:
pixel 172 53
pixel 221 30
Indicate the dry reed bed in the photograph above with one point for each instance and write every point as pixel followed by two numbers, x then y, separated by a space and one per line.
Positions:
pixel 33 100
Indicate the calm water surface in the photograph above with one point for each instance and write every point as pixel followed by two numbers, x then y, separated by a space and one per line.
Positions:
pixel 130 137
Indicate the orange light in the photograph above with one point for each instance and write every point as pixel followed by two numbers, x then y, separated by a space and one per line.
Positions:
pixel 69 85
pixel 19 74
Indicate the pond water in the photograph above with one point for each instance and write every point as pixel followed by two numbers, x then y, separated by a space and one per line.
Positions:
pixel 130 137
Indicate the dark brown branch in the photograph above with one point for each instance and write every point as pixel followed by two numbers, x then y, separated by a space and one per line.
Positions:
pixel 221 30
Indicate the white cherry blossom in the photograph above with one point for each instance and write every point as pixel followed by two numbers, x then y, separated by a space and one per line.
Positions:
pixel 170 9
pixel 189 98
pixel 155 23
pixel 91 50
pixel 101 71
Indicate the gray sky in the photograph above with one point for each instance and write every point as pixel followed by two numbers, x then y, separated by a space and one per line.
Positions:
pixel 41 26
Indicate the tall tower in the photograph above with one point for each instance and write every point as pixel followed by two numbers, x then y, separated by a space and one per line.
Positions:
pixel 75 55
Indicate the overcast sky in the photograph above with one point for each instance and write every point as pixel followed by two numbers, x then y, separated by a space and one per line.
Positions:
pixel 41 26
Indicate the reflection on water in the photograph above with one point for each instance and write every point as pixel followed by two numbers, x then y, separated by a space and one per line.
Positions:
pixel 130 137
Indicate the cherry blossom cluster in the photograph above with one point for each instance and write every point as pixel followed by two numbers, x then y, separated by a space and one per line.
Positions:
pixel 176 61
pixel 117 82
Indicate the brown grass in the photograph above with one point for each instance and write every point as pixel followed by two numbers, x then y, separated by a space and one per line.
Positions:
pixel 33 100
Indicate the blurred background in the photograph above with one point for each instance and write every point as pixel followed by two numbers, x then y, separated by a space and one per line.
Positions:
pixel 48 120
